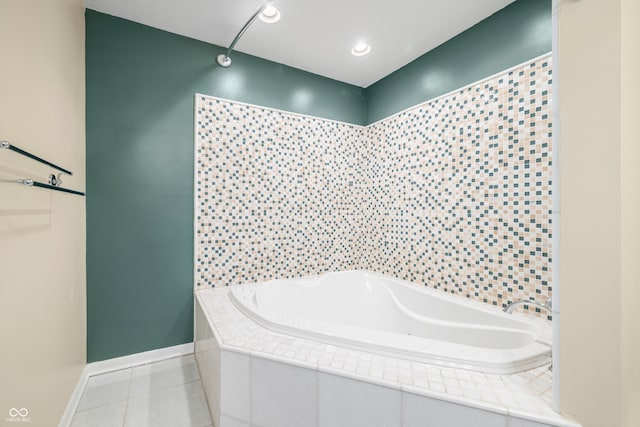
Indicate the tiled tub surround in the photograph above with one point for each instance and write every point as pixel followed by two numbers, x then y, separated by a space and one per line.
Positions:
pixel 277 194
pixel 460 189
pixel 454 194
pixel 259 378
pixel 382 315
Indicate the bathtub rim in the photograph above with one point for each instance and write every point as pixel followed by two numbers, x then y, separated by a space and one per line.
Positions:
pixel 552 419
pixel 484 360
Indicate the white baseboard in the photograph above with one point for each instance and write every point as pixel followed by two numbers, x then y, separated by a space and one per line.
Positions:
pixel 115 364
pixel 72 404
pixel 104 366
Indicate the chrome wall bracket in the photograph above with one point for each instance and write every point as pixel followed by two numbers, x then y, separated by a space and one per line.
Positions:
pixel 223 59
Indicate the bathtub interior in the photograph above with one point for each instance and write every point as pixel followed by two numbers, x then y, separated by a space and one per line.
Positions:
pixel 364 299
pixel 375 299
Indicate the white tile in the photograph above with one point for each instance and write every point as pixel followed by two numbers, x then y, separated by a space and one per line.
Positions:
pixel 421 411
pixel 348 403
pixel 207 354
pixel 201 325
pixel 103 416
pixel 213 381
pixel 183 405
pixel 282 395
pixel 237 331
pixel 105 389
pixel 164 374
pixel 519 422
pixel 205 369
pixel 231 422
pixel 235 385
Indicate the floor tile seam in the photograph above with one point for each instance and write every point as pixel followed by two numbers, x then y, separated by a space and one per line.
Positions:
pixel 100 406
pixel 128 401
pixel 130 382
pixel 235 419
pixel 204 392
pixel 135 376
pixel 86 386
pixel 151 363
pixel 163 389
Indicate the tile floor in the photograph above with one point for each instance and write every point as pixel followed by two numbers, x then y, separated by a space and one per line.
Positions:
pixel 166 393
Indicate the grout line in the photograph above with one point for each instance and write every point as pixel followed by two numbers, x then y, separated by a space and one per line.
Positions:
pixel 126 406
pixel 204 391
pixel 165 389
pixel 99 406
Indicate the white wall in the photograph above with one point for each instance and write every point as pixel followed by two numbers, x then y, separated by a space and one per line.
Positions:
pixel 630 223
pixel 42 233
pixel 598 67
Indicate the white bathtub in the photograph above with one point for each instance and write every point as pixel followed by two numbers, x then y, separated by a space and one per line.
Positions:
pixel 378 314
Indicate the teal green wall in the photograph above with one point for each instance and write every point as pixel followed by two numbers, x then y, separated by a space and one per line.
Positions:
pixel 511 36
pixel 140 95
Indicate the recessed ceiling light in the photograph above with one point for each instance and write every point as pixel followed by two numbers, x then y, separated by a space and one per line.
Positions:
pixel 360 49
pixel 270 14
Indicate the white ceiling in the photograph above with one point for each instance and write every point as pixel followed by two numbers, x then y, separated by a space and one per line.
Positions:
pixel 316 35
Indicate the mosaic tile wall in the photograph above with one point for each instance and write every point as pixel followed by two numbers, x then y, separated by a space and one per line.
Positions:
pixel 454 193
pixel 461 189
pixel 276 194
